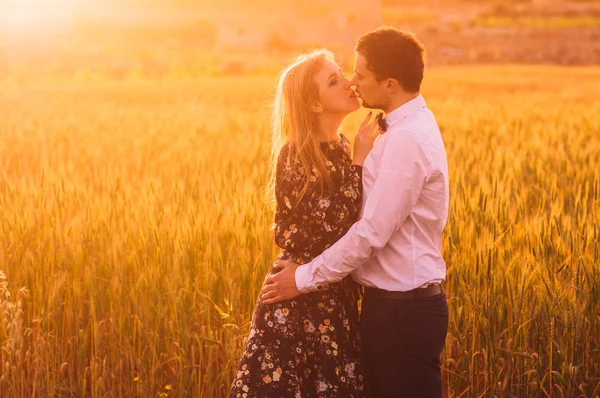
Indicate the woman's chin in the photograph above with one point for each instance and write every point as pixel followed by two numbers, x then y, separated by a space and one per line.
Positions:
pixel 351 108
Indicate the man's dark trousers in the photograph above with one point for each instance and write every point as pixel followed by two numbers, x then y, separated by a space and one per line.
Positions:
pixel 402 342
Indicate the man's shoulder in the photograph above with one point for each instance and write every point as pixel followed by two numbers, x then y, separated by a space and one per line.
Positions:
pixel 418 131
pixel 415 128
pixel 421 124
pixel 422 120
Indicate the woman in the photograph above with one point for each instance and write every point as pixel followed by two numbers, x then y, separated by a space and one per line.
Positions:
pixel 309 346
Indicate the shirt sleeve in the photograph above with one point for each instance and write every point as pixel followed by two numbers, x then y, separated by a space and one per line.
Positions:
pixel 405 167
pixel 297 221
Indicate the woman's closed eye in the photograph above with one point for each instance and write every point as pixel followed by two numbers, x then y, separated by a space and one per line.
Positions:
pixel 335 81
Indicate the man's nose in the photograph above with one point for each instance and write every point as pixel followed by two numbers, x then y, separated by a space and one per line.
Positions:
pixel 353 81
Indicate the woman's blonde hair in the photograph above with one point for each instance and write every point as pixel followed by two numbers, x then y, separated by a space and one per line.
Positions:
pixel 295 120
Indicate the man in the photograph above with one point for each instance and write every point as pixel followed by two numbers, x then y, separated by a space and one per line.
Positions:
pixel 394 250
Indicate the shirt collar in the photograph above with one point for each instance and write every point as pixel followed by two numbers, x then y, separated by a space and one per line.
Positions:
pixel 404 110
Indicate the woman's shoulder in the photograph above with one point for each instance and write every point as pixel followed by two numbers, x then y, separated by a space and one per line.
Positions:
pixel 344 143
pixel 286 159
pixel 290 165
pixel 285 153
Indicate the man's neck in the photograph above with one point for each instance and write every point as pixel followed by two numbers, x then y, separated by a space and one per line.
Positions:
pixel 399 100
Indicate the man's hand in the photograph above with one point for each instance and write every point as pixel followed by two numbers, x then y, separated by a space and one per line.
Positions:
pixel 282 285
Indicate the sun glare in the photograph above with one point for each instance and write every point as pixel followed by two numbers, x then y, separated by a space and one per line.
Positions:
pixel 37 16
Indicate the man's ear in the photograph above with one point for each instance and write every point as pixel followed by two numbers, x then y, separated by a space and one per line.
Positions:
pixel 317 107
pixel 392 86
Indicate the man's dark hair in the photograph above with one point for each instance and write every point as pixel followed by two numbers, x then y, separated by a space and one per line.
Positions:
pixel 391 53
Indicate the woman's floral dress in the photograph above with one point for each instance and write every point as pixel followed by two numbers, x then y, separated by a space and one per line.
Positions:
pixel 309 346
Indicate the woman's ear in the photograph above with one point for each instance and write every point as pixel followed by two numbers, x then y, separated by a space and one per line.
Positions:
pixel 317 107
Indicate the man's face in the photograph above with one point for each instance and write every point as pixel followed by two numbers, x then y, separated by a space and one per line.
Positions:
pixel 369 90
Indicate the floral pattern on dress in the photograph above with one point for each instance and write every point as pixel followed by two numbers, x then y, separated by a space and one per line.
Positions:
pixel 309 346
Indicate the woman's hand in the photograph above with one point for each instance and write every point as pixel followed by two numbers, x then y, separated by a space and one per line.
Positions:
pixel 365 139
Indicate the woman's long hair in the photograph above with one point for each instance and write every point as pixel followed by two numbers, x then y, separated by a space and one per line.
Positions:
pixel 295 121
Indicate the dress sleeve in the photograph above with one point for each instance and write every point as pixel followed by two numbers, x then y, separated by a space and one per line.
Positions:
pixel 300 225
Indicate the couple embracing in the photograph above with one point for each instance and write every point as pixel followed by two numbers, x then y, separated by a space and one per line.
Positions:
pixel 362 226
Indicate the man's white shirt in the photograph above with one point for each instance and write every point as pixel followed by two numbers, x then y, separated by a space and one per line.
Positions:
pixel 396 245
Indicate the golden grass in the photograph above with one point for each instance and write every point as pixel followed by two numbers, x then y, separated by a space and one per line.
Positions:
pixel 405 17
pixel 134 233
pixel 538 22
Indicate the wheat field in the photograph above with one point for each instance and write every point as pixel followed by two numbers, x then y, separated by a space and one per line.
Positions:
pixel 135 232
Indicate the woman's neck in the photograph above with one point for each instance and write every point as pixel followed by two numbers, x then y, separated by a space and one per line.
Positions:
pixel 329 125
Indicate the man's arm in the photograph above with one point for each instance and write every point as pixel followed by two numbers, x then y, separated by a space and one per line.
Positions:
pixel 405 167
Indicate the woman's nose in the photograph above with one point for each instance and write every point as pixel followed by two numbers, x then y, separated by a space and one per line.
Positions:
pixel 347 83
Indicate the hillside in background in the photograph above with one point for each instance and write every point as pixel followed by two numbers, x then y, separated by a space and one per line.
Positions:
pixel 146 39
pixel 542 31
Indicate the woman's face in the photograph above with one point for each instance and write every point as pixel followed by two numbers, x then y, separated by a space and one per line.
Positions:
pixel 335 93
